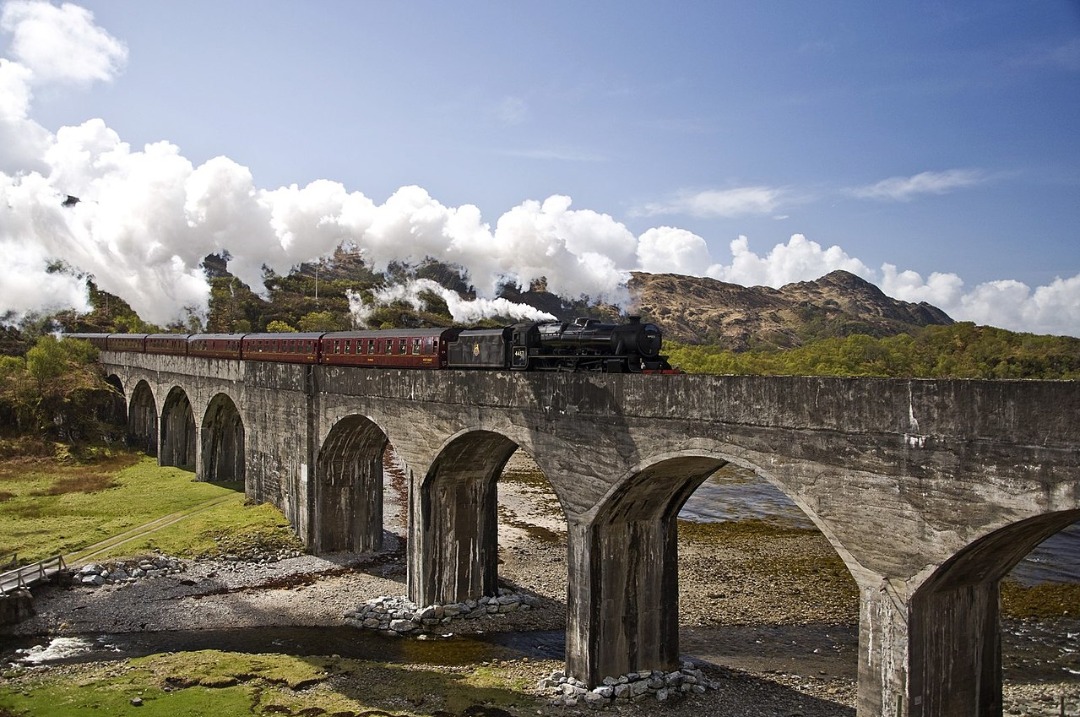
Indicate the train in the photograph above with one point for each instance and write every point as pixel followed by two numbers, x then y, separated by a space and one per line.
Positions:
pixel 581 345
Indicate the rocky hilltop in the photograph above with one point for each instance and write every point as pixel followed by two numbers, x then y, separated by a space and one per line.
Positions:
pixel 699 310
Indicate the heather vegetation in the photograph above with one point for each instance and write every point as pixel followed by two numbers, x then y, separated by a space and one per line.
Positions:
pixel 960 350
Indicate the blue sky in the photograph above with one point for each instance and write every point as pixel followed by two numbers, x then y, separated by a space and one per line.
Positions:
pixel 929 147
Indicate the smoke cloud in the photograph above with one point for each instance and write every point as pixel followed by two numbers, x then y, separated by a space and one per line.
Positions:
pixel 147 216
pixel 463 311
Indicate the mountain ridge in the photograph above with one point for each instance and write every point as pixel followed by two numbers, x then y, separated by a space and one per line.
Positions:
pixel 700 310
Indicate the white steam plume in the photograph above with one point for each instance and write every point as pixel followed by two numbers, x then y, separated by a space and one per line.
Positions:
pixel 148 216
pixel 463 311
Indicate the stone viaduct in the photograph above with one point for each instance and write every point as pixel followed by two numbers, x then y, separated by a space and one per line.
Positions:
pixel 930 491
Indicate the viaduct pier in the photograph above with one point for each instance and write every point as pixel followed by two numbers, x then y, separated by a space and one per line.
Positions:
pixel 930 491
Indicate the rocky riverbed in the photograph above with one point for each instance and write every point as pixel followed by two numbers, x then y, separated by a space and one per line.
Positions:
pixel 768 614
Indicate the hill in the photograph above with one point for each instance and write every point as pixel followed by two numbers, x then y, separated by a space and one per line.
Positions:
pixel 697 310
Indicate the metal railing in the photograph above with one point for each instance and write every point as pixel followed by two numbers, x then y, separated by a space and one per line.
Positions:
pixel 27 575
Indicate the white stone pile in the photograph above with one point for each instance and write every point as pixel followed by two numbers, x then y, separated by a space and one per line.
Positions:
pixel 396 615
pixel 662 686
pixel 128 571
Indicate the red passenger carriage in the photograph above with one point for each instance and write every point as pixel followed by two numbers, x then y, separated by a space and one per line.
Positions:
pixel 126 342
pixel 387 348
pixel 287 348
pixel 171 344
pixel 224 346
pixel 98 341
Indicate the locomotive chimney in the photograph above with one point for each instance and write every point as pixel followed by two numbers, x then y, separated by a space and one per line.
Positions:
pixel 634 319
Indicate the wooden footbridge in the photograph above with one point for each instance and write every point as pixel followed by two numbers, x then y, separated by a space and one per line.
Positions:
pixel 29 575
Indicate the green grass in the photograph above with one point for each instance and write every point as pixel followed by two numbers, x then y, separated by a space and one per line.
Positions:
pixel 211 682
pixel 231 527
pixel 51 508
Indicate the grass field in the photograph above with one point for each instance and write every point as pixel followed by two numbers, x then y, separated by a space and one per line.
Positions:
pixel 50 507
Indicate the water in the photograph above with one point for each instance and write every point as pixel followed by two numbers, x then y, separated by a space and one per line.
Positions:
pixel 1055 560
pixel 734 494
pixel 345 642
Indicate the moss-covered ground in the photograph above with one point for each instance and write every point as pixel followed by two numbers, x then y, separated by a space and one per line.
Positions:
pixel 210 682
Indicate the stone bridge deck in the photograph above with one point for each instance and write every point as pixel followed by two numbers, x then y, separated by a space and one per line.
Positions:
pixel 930 491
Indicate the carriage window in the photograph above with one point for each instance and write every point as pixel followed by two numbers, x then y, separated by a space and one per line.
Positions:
pixel 403 346
pixel 348 346
pixel 359 346
pixel 371 346
pixel 416 346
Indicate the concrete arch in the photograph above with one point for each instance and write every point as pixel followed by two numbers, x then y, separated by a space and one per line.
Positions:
pixel 454 531
pixel 624 614
pixel 178 431
pixel 142 424
pixel 223 457
pixel 349 485
pixel 954 655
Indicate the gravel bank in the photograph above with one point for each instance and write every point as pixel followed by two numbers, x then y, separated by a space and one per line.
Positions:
pixel 768 615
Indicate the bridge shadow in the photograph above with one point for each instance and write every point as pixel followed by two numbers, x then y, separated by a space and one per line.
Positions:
pixel 236 486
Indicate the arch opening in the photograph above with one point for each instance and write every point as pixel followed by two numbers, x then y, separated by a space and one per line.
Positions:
pixel 349 498
pixel 223 457
pixel 532 540
pixel 178 432
pixel 142 421
pixel 955 636
pixel 699 555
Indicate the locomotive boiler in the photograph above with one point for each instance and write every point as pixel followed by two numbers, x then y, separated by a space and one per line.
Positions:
pixel 588 345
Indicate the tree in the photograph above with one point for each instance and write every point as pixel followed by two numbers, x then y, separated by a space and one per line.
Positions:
pixel 320 321
pixel 56 389
pixel 279 327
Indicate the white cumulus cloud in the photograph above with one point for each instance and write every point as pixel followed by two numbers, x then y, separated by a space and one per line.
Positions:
pixel 1010 304
pixel 61 44
pixel 798 260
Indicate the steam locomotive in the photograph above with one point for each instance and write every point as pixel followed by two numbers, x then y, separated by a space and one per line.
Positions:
pixel 583 345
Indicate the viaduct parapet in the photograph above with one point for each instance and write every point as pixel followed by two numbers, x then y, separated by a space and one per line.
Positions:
pixel 930 491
